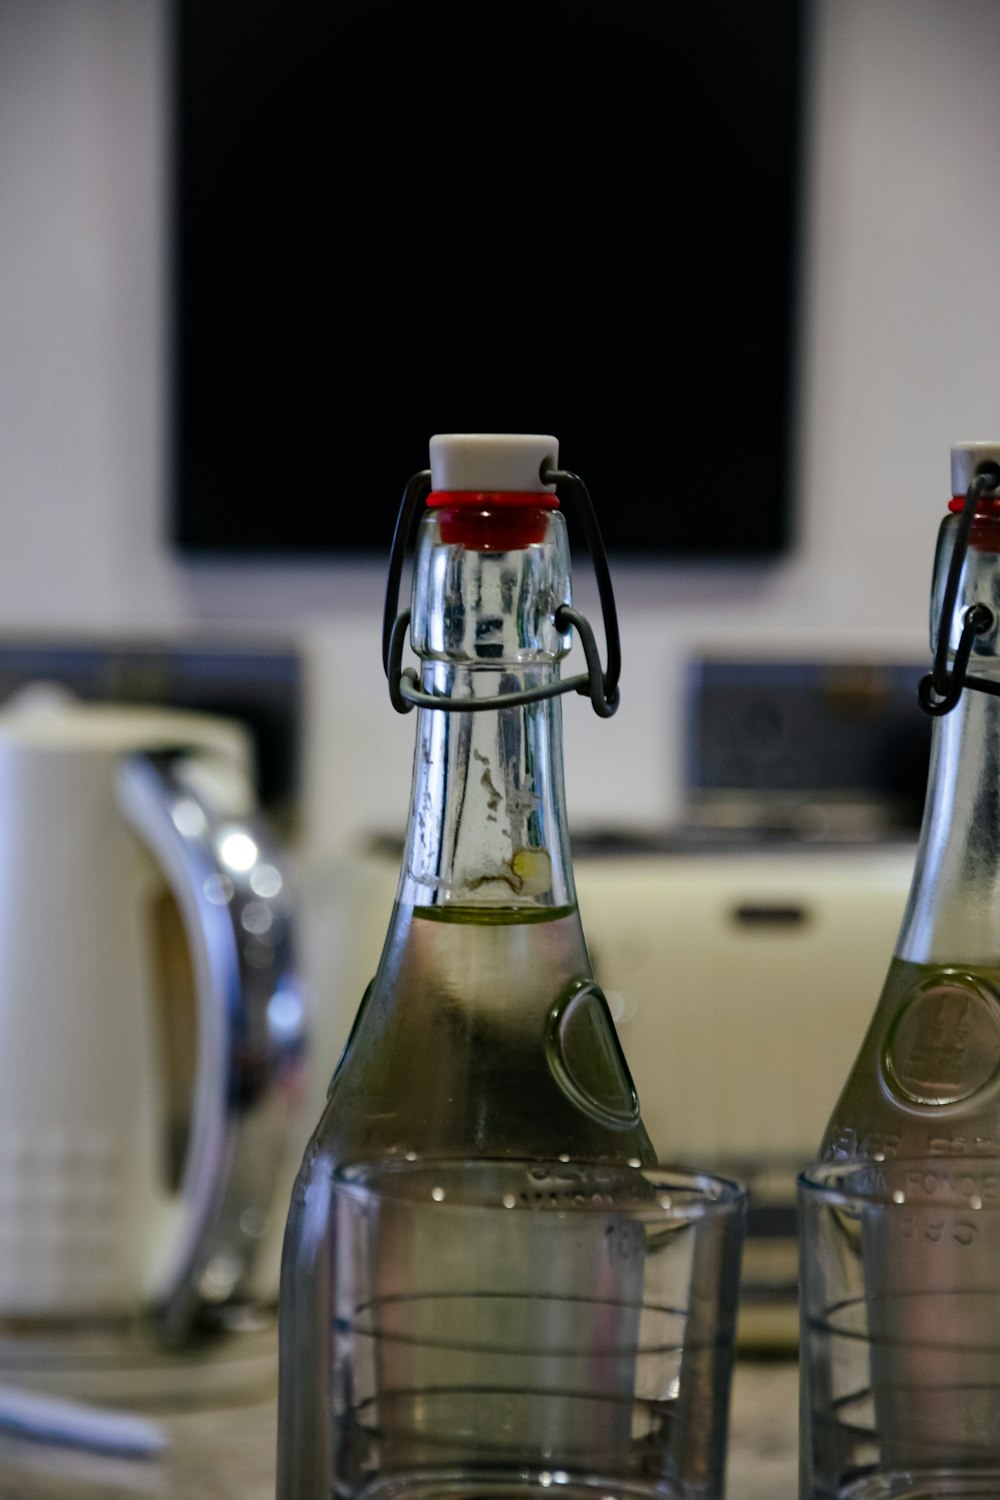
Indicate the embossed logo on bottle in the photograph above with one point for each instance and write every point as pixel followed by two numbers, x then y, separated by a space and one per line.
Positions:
pixel 586 1059
pixel 944 1046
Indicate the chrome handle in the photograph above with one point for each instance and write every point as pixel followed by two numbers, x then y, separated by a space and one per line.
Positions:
pixel 232 891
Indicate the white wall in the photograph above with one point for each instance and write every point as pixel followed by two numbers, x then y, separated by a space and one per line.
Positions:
pixel 900 333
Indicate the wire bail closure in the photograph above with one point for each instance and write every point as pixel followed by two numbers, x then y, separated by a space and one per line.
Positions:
pixel 940 690
pixel 599 683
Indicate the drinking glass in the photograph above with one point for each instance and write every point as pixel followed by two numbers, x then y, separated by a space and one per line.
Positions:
pixel 900 1309
pixel 504 1328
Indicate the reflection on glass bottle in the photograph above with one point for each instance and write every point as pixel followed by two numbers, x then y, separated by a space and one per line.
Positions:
pixel 483 1031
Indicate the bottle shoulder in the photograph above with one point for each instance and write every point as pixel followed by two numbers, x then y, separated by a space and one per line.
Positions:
pixel 927 1076
pixel 484 1037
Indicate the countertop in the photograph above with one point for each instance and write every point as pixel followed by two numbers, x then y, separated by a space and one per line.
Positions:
pixel 228 1453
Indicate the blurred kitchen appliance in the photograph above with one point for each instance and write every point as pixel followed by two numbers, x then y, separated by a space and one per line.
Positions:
pixel 151 1029
pixel 258 681
pixel 830 748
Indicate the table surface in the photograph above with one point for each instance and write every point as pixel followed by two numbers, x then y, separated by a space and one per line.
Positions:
pixel 228 1453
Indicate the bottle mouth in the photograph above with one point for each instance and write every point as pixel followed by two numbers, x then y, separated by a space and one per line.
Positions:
pixel 493 520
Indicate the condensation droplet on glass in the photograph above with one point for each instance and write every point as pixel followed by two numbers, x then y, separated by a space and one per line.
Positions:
pixel 218 889
pixel 266 881
pixel 899 1196
pixel 437 1194
pixel 508 1200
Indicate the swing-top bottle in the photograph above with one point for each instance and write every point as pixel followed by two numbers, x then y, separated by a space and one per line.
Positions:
pixel 924 1092
pixel 483 1031
pixel 926 1081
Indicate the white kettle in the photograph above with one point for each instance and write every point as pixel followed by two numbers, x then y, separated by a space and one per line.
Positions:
pixel 151 1028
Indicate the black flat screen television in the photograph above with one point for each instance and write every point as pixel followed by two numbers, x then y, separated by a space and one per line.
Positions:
pixel 578 218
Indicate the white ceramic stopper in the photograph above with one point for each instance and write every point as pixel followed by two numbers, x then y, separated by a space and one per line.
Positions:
pixel 967 460
pixel 492 461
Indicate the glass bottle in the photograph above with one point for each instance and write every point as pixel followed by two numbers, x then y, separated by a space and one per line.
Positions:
pixel 925 1087
pixel 483 1032
pixel 926 1081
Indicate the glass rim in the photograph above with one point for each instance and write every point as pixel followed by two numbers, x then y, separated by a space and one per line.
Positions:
pixel 903 1181
pixel 664 1191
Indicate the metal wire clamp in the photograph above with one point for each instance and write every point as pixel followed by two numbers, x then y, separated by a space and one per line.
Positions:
pixel 940 690
pixel 599 683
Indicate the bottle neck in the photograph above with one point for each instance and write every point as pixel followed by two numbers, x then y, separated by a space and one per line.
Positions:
pixel 953 913
pixel 483 1028
pixel 487 826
